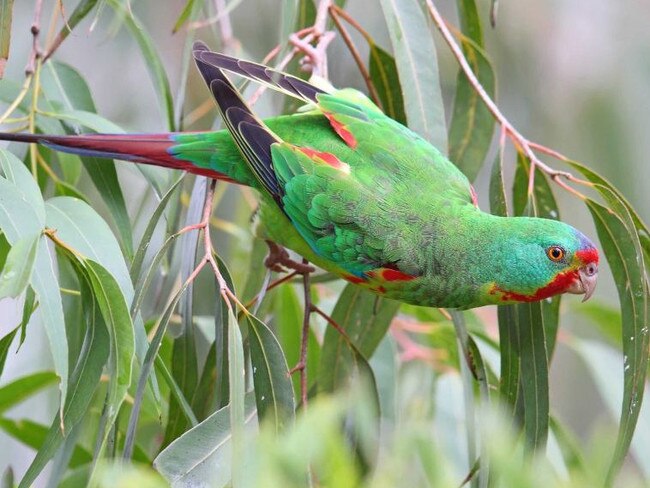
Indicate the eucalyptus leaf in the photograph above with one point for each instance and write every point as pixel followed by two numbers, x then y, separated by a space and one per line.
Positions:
pixel 273 389
pixel 202 456
pixel 6 7
pixel 152 59
pixel 18 268
pixel 22 388
pixel 83 381
pixel 34 435
pixel 412 42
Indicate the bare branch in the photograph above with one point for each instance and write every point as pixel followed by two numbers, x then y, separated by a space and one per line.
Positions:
pixel 334 13
pixel 522 144
pixel 35 29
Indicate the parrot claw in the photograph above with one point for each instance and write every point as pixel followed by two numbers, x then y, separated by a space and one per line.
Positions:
pixel 279 261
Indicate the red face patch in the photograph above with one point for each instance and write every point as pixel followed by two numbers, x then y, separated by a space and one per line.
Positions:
pixel 588 255
pixel 560 284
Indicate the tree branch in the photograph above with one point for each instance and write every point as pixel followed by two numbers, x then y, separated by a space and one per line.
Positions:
pixel 515 136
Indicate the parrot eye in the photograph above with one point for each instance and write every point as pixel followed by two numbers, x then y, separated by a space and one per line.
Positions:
pixel 555 253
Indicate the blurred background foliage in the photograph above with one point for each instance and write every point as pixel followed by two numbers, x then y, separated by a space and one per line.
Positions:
pixel 401 407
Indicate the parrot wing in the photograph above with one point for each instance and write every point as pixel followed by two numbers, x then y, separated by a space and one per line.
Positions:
pixel 359 123
pixel 355 210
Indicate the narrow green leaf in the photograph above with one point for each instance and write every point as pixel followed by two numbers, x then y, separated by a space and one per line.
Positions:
pixel 145 371
pixel 273 388
pixel 19 390
pixel 83 382
pixel 184 15
pixel 17 270
pixel 115 312
pixel 29 306
pixel 365 319
pixel 385 78
pixel 288 318
pixel 6 7
pixel 64 86
pixel 78 14
pixel 498 198
pixel 621 248
pixel 236 379
pixel 91 120
pixel 152 59
pixel 470 22
pixel 604 363
pixel 184 365
pixel 45 284
pixel 534 374
pixel 204 454
pixel 104 176
pixel 34 435
pixel 26 187
pixel 5 344
pixel 22 214
pixel 5 247
pixel 472 124
pixel 543 203
pixel 203 399
pixel 412 43
pixel 139 256
pixel 7 480
pixel 80 227
pixel 176 392
pixel 569 445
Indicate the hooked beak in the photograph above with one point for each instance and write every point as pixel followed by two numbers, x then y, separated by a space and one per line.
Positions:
pixel 586 282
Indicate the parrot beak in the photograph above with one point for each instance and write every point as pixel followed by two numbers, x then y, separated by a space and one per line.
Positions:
pixel 586 282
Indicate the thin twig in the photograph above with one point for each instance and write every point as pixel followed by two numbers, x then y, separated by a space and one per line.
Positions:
pixel 35 29
pixel 320 25
pixel 331 322
pixel 225 27
pixel 21 96
pixel 280 66
pixel 355 54
pixel 518 139
pixel 53 43
pixel 216 18
pixel 277 282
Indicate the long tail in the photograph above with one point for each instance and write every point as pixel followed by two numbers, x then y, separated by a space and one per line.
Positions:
pixel 154 149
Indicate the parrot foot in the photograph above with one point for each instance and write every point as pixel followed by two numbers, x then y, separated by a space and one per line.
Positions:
pixel 279 260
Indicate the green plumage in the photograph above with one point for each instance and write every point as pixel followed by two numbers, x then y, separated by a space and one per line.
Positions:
pixel 396 203
pixel 363 196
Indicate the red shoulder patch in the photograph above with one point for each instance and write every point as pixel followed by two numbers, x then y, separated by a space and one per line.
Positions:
pixel 390 274
pixel 472 192
pixel 340 129
pixel 354 279
pixel 327 158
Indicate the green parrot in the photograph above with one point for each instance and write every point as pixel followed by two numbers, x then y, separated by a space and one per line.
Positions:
pixel 360 195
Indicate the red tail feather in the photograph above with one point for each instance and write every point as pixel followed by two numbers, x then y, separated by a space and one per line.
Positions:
pixel 138 148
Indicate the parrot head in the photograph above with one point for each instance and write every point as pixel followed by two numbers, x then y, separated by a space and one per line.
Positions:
pixel 542 258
